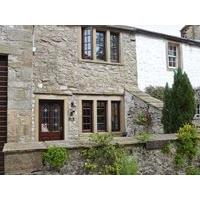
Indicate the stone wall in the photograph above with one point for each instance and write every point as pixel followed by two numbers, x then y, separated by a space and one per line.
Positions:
pixel 150 162
pixel 191 32
pixel 136 103
pixel 58 67
pixel 16 42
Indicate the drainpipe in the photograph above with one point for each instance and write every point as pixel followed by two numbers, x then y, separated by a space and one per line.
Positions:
pixel 33 40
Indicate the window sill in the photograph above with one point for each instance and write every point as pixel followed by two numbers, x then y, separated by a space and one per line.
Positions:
pixel 99 62
pixel 115 134
pixel 171 68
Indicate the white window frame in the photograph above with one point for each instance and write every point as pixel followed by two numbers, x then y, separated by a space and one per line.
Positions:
pixel 177 57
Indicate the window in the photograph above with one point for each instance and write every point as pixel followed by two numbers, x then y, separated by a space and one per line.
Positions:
pixel 198 110
pixel 51 120
pixel 100 45
pixel 101 115
pixel 115 115
pixel 114 47
pixel 87 116
pixel 87 43
pixel 98 50
pixel 173 55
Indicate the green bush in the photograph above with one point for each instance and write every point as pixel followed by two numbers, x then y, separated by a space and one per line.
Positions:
pixel 187 145
pixel 156 92
pixel 166 112
pixel 179 103
pixel 104 157
pixel 167 149
pixel 55 157
pixel 128 166
pixel 192 171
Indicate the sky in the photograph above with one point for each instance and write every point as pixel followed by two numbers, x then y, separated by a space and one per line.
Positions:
pixel 167 29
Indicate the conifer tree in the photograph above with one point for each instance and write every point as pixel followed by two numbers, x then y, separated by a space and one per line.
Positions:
pixel 183 106
pixel 179 103
pixel 166 116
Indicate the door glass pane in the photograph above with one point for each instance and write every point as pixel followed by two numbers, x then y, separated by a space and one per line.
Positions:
pixel 45 118
pixel 50 117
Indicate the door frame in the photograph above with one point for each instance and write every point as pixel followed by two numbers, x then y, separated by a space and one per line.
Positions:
pixel 39 97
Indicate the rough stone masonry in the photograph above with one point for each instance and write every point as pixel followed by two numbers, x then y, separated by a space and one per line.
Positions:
pixel 45 63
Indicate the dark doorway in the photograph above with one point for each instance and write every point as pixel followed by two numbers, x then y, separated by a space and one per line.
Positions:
pixel 3 106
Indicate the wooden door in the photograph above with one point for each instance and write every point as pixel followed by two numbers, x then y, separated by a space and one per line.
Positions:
pixel 51 125
pixel 3 107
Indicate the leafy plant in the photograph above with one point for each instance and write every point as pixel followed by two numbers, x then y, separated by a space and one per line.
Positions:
pixel 128 166
pixel 187 146
pixel 103 157
pixel 55 157
pixel 144 137
pixel 167 149
pixel 156 92
pixel 192 171
pixel 143 118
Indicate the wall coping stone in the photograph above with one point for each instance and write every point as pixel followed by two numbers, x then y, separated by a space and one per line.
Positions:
pixel 146 98
pixel 80 143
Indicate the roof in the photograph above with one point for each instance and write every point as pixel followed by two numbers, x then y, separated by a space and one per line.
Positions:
pixel 157 35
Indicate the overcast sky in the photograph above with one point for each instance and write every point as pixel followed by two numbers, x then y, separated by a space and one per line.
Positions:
pixel 168 29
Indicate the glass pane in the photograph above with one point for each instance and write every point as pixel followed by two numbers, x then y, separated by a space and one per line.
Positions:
pixel 100 45
pixel 45 118
pixel 115 112
pixel 101 115
pixel 114 47
pixel 87 43
pixel 87 116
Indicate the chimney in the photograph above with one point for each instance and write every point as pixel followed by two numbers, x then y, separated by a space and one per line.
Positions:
pixel 191 32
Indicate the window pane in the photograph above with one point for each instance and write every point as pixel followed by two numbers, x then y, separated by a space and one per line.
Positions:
pixel 172 55
pixel 87 43
pixel 101 115
pixel 100 45
pixel 115 112
pixel 87 125
pixel 114 47
pixel 198 109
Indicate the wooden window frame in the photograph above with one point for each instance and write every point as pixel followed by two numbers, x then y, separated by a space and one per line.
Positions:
pixel 105 115
pixel 119 117
pixel 91 117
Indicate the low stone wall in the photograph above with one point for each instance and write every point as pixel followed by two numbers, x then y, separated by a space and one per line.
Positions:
pixel 150 162
pixel 149 156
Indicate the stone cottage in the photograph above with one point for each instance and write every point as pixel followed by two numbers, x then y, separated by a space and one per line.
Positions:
pixel 59 84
